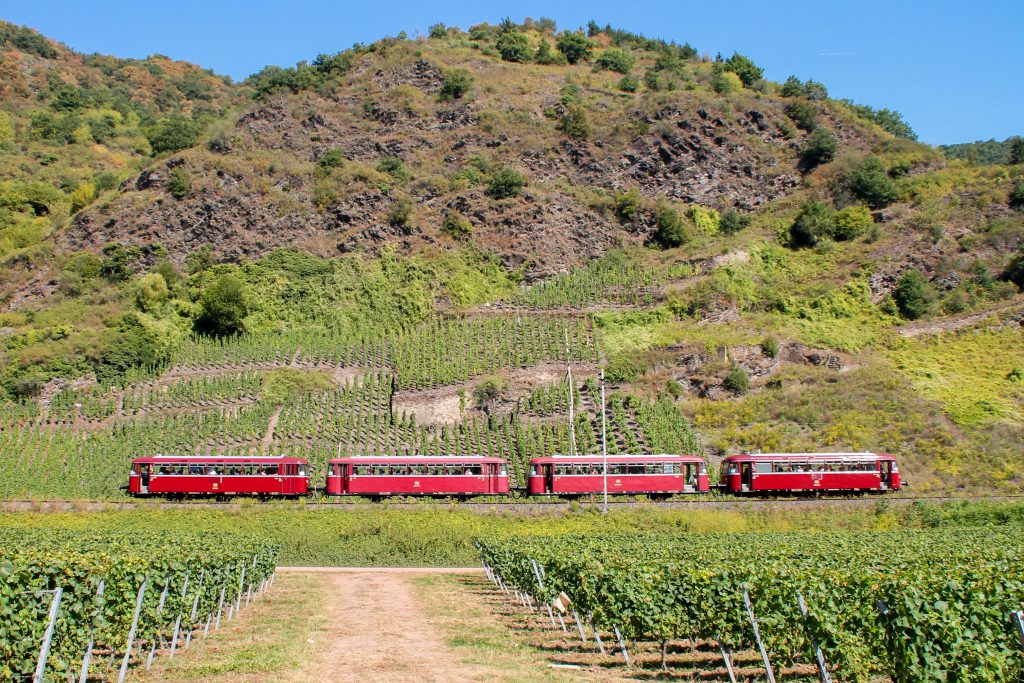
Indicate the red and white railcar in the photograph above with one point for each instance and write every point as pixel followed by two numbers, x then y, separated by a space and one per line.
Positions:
pixel 656 475
pixel 220 476
pixel 417 475
pixel 808 472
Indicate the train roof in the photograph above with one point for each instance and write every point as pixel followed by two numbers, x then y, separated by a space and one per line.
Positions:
pixel 754 457
pixel 222 459
pixel 402 459
pixel 588 459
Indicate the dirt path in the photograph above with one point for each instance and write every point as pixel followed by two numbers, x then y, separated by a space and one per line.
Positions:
pixel 268 437
pixel 953 323
pixel 375 630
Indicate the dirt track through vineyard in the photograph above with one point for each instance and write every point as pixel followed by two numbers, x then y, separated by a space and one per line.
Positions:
pixel 375 630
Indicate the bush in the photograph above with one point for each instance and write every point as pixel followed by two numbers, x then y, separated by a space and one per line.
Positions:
pixel 820 148
pixel 332 158
pixel 1015 271
pixel 615 60
pixel 803 114
pixel 200 260
pixel 852 222
pixel 456 84
pixel 456 226
pixel 870 182
pixel 574 46
pixel 438 31
pixel 115 266
pixel 726 83
pixel 671 231
pixel 223 307
pixel 624 367
pixel 705 220
pixel 732 221
pixel 575 123
pixel 1017 196
pixel 629 83
pixel 546 55
pixel 1017 151
pixel 626 204
pixel 399 214
pixel 913 295
pixel 488 390
pixel 814 221
pixel 180 183
pixel 395 168
pixel 770 347
pixel 505 183
pixel 743 67
pixel 151 291
pixel 736 380
pixel 514 47
pixel 171 135
pixel 82 196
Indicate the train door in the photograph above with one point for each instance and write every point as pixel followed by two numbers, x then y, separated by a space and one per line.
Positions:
pixel 886 466
pixel 549 478
pixel 495 471
pixel 143 478
pixel 746 476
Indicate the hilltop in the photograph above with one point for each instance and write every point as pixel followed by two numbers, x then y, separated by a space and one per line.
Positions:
pixel 387 246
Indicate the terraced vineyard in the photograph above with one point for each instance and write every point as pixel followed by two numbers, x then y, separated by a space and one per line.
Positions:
pixel 124 597
pixel 348 397
pixel 914 606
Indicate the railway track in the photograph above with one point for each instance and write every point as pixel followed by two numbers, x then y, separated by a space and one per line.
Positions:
pixel 511 505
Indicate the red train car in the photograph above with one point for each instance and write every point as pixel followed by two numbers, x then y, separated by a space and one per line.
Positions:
pixel 808 472
pixel 418 475
pixel 220 476
pixel 660 475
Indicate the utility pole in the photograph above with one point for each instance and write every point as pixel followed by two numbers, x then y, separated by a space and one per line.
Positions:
pixel 604 447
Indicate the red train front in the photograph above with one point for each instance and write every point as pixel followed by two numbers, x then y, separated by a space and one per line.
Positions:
pixel 662 475
pixel 809 472
pixel 417 476
pixel 220 476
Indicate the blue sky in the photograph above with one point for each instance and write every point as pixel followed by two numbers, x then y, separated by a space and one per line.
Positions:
pixel 952 67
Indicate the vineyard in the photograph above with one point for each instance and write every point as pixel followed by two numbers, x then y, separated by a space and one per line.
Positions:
pixel 341 397
pixel 911 605
pixel 93 605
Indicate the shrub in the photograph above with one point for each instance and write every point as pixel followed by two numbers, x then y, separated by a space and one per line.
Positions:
pixel 852 222
pixel 332 158
pixel 82 196
pixel 546 55
pixel 574 46
pixel 629 83
pixel 913 295
pixel 488 390
pixel 282 384
pixel 812 223
pixel 732 221
pixel 151 291
pixel 575 123
pixel 505 183
pixel 624 367
pixel 171 135
pixel 803 114
pixel 456 226
pixel 1017 196
pixel 705 220
pixel 674 388
pixel 727 82
pixel 770 347
pixel 615 60
pixel 456 84
pixel 870 182
pixel 820 148
pixel 399 214
pixel 671 231
pixel 514 47
pixel 223 307
pixel 115 264
pixel 736 380
pixel 200 260
pixel 438 31
pixel 744 68
pixel 1015 270
pixel 395 168
pixel 626 204
pixel 179 184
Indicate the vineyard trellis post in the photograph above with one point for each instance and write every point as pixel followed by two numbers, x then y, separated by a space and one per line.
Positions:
pixel 579 626
pixel 131 633
pixel 818 655
pixel 156 634
pixel 727 658
pixel 1017 618
pixel 177 621
pixel 757 637
pixel 87 658
pixel 572 406
pixel 597 636
pixel 604 448
pixel 44 650
pixel 622 646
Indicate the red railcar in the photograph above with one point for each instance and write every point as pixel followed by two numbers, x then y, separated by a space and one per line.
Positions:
pixel 220 476
pixel 418 475
pixel 807 472
pixel 660 475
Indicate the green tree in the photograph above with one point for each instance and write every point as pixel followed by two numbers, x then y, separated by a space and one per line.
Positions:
pixel 514 47
pixel 1015 270
pixel 803 113
pixel 505 183
pixel 615 60
pixel 399 214
pixel 456 84
pixel 151 291
pixel 200 260
pixel 726 83
pixel 1017 151
pixel 814 221
pixel 629 83
pixel 438 31
pixel 671 227
pixel 744 68
pixel 870 182
pixel 179 184
pixel 732 221
pixel 1017 195
pixel 913 294
pixel 575 123
pixel 546 55
pixel 171 135
pixel 223 307
pixel 575 46
pixel 820 148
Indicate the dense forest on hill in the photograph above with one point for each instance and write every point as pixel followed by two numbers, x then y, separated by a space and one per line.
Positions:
pixel 401 246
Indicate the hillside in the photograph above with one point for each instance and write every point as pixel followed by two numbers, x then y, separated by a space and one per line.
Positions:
pixel 400 247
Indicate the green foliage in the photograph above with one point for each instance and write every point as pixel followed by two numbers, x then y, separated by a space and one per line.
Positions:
pixel 988 151
pixel 130 345
pixel 332 158
pixel 1017 151
pixel 456 84
pixel 615 60
pixel 820 148
pixel 575 46
pixel 1017 195
pixel 671 231
pixel 488 390
pixel 116 263
pixel 726 83
pixel 282 385
pixel 546 55
pixel 913 294
pixel 705 220
pixel 399 214
pixel 623 368
pixel 179 184
pixel 505 183
pixel 629 83
pixel 200 260
pixel 851 222
pixel 456 226
pixel 151 291
pixel 627 204
pixel 514 47
pixel 770 347
pixel 732 221
pixel 812 90
pixel 736 380
pixel 223 307
pixel 890 121
pixel 575 122
pixel 438 30
pixel 814 221
pixel 172 134
pixel 395 168
pixel 870 182
pixel 83 195
pixel 27 40
pixel 744 68
pixel 804 114
pixel 1015 270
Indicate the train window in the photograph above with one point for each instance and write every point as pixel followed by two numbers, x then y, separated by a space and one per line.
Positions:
pixel 475 470
pixel 435 470
pixel 503 471
pixel 362 470
pixel 671 468
pixel 762 467
pixel 533 470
